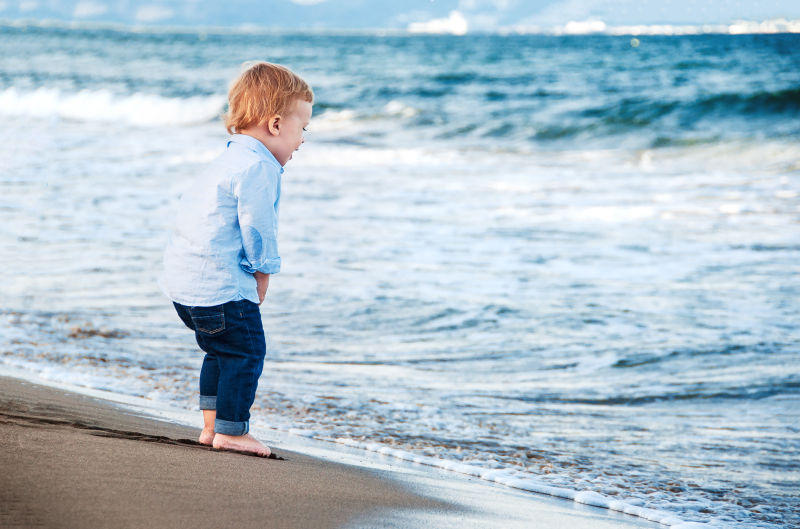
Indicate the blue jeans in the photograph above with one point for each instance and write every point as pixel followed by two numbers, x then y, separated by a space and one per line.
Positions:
pixel 232 337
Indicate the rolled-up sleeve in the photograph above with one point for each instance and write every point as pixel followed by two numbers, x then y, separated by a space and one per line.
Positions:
pixel 258 193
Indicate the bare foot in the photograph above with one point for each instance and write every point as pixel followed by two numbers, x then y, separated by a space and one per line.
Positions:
pixel 206 436
pixel 241 443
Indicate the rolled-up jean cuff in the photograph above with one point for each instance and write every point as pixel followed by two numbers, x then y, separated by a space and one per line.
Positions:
pixel 231 427
pixel 208 403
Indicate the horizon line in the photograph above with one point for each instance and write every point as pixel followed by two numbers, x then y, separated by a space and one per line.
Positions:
pixel 775 26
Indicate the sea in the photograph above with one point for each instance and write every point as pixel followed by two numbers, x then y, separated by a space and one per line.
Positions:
pixel 568 264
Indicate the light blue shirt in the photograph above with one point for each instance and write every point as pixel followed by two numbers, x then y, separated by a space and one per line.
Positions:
pixel 226 228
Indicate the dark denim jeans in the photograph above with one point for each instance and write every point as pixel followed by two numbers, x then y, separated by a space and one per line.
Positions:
pixel 232 337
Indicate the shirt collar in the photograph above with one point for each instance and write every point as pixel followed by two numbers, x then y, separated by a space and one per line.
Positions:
pixel 256 146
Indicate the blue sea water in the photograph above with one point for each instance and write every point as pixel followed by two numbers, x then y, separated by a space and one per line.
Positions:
pixel 567 260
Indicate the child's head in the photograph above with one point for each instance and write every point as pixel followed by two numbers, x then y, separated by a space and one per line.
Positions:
pixel 272 104
pixel 263 90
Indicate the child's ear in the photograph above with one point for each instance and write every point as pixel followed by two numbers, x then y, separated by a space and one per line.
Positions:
pixel 274 125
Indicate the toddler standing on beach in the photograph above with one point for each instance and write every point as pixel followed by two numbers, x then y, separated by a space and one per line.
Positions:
pixel 224 247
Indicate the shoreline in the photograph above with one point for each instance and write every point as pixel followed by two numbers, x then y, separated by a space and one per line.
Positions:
pixel 77 460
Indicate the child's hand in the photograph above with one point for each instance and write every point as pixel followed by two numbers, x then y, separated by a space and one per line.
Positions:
pixel 262 284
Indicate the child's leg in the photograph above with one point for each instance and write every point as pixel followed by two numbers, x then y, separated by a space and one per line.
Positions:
pixel 209 380
pixel 232 336
pixel 241 361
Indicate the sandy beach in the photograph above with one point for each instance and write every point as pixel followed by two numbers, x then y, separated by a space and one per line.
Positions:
pixel 71 460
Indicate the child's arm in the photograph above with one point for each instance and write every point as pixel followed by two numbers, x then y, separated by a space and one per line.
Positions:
pixel 257 194
pixel 263 284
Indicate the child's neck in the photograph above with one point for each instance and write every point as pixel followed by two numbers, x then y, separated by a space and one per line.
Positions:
pixel 261 134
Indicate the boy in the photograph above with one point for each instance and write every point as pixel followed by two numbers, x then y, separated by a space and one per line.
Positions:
pixel 224 247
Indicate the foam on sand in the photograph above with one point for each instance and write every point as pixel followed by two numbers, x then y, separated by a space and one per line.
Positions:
pixel 517 480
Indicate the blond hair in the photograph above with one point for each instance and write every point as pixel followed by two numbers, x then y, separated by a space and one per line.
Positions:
pixel 261 91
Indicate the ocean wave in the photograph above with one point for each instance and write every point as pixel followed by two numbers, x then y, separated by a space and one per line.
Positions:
pixel 654 122
pixel 639 113
pixel 763 102
pixel 697 392
pixel 139 109
pixel 641 359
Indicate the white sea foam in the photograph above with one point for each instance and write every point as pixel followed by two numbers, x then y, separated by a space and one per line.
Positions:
pixel 352 122
pixel 518 480
pixel 398 108
pixel 138 109
pixel 333 120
